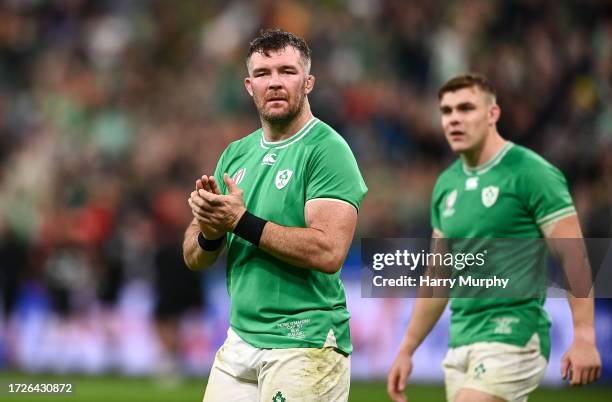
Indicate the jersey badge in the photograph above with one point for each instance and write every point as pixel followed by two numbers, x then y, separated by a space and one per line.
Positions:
pixel 471 183
pixel 282 178
pixel 239 176
pixel 450 203
pixel 269 159
pixel 489 196
pixel 279 397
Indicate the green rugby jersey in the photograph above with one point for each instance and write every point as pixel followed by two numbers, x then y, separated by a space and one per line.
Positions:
pixel 512 196
pixel 275 304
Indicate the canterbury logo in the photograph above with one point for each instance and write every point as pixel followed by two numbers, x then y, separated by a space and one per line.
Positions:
pixel 269 159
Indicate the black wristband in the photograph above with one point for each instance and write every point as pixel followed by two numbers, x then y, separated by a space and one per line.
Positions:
pixel 209 245
pixel 250 228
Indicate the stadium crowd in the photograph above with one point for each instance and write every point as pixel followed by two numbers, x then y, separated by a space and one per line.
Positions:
pixel 109 111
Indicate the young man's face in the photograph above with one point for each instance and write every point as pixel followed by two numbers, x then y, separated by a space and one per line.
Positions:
pixel 278 83
pixel 467 116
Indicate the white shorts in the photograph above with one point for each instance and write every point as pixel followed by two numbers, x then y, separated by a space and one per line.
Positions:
pixel 242 372
pixel 507 371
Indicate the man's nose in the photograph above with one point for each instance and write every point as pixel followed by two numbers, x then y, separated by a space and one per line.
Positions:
pixel 453 119
pixel 275 81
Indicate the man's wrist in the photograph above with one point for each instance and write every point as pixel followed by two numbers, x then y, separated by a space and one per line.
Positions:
pixel 584 333
pixel 209 244
pixel 407 349
pixel 250 228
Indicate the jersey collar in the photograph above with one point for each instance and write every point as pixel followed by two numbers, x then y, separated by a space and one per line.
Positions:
pixel 288 141
pixel 485 167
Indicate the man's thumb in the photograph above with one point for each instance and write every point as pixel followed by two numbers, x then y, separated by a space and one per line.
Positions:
pixel 565 364
pixel 232 188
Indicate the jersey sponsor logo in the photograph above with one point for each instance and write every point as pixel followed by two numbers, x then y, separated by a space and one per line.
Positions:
pixel 471 183
pixel 282 178
pixel 504 325
pixel 450 203
pixel 239 175
pixel 269 159
pixel 489 195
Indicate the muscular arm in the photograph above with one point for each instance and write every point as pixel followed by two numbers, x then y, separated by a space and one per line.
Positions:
pixel 195 257
pixel 425 313
pixel 565 242
pixel 322 245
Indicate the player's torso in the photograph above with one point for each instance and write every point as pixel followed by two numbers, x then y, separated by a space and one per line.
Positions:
pixel 275 304
pixel 489 204
pixel 273 180
pixel 486 203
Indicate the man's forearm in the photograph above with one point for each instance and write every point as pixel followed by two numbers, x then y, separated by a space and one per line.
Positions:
pixel 583 313
pixel 425 314
pixel 195 257
pixel 304 247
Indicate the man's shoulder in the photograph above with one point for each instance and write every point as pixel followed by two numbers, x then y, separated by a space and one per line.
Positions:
pixel 521 158
pixel 324 136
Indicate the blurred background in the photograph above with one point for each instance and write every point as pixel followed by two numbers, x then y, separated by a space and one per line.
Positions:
pixel 110 109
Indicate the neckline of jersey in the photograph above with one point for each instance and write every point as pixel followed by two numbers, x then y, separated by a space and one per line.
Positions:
pixel 288 141
pixel 485 167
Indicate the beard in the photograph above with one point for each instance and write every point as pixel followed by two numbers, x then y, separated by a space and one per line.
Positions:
pixel 284 116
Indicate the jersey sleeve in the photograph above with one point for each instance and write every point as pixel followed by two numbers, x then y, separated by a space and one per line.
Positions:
pixel 332 172
pixel 546 194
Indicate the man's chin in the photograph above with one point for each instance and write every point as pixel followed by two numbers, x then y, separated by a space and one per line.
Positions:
pixel 277 116
pixel 459 147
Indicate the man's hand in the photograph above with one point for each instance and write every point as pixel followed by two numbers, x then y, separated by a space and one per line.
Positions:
pixel 398 376
pixel 581 363
pixel 205 184
pixel 220 213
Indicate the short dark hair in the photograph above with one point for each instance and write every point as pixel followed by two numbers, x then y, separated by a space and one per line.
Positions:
pixel 271 40
pixel 466 81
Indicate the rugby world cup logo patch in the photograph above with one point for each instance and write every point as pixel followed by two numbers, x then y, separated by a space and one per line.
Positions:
pixel 450 203
pixel 282 178
pixel 489 195
pixel 239 176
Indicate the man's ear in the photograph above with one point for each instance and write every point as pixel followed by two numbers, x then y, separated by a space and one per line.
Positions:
pixel 309 83
pixel 248 85
pixel 494 114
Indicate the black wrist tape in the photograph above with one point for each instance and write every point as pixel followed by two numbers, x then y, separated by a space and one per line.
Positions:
pixel 250 228
pixel 209 245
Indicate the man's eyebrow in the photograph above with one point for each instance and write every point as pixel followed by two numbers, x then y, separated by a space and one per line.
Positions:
pixel 260 69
